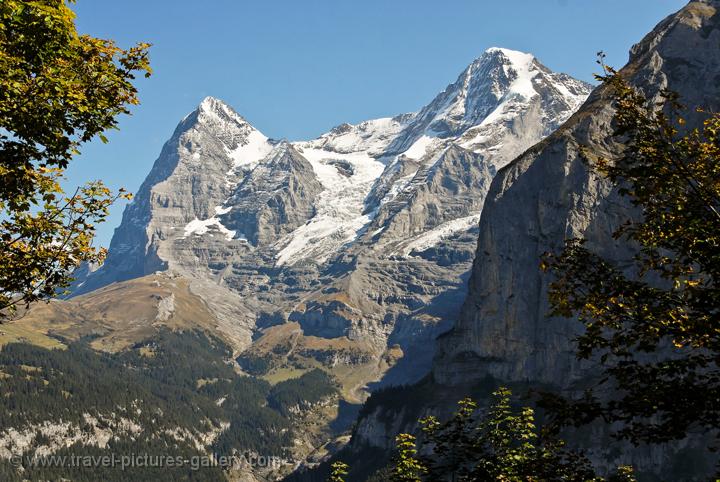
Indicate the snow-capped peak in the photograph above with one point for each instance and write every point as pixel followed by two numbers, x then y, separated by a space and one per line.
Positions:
pixel 244 144
pixel 495 87
pixel 215 110
pixel 518 66
pixel 515 56
pixel 211 102
pixel 215 105
pixel 496 75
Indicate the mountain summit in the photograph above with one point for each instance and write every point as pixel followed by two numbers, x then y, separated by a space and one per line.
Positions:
pixel 496 87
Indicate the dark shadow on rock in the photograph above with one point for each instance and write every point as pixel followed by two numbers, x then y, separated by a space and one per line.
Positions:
pixel 347 414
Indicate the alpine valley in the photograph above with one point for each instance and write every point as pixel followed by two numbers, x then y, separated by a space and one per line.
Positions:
pixel 258 291
pixel 346 255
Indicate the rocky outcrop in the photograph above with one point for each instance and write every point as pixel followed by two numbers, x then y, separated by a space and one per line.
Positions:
pixel 453 188
pixel 548 195
pixel 274 199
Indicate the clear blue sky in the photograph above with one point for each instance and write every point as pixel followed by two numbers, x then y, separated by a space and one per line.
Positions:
pixel 296 68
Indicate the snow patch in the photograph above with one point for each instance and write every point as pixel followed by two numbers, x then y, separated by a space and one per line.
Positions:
pixel 371 136
pixel 419 147
pixel 339 217
pixel 200 227
pixel 436 235
pixel 521 66
pixel 377 231
pixel 397 187
pixel 255 149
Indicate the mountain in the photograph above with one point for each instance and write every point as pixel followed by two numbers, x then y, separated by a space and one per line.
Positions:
pixel 546 195
pixel 348 253
pixel 365 233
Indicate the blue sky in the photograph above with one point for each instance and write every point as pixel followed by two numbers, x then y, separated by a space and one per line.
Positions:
pixel 296 68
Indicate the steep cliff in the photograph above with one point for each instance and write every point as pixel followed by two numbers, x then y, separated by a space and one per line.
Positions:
pixel 548 195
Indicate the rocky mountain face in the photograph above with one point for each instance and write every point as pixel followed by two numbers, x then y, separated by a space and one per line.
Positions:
pixel 365 234
pixel 547 195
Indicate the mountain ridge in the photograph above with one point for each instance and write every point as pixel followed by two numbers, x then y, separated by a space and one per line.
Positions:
pixel 364 233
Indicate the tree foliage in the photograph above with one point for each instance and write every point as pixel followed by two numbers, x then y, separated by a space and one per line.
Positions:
pixel 302 393
pixel 655 325
pixel 58 90
pixel 407 467
pixel 500 444
pixel 338 471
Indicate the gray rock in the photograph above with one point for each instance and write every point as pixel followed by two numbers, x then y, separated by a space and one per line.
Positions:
pixel 275 198
pixel 546 195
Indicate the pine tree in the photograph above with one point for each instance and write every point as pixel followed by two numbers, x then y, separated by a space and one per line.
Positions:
pixel 338 470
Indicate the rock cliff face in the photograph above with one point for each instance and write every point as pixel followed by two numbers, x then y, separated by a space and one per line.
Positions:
pixel 548 195
pixel 275 198
pixel 365 234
